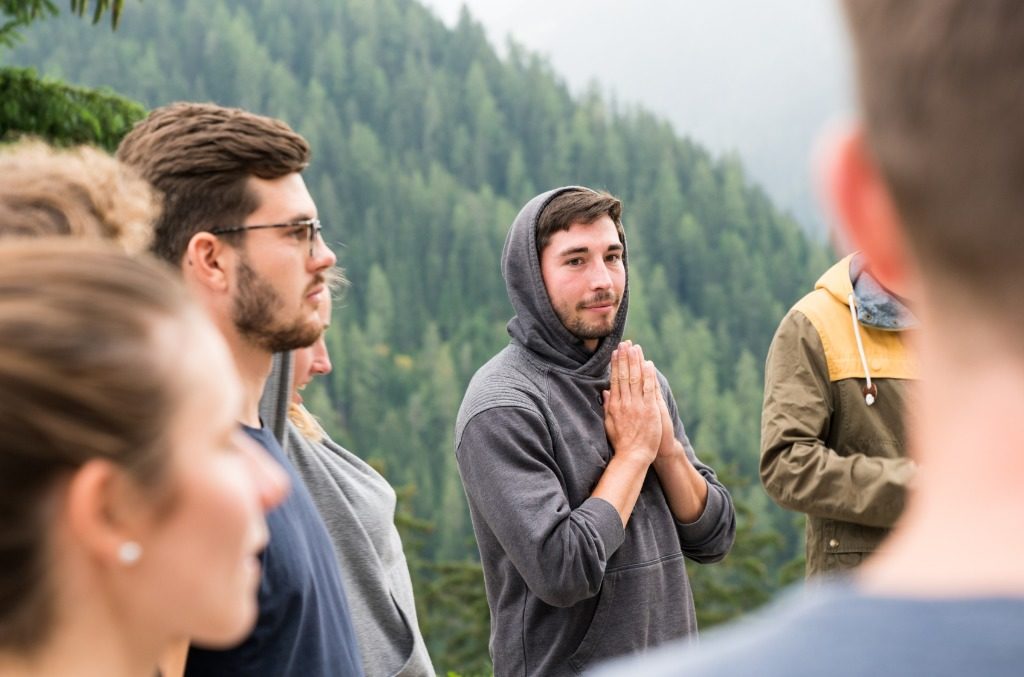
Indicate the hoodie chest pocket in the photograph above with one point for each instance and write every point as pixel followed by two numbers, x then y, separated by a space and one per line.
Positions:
pixel 583 460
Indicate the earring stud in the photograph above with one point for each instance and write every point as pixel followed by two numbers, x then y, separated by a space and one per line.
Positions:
pixel 129 553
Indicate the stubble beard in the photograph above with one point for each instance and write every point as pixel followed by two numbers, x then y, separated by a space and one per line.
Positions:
pixel 578 327
pixel 254 312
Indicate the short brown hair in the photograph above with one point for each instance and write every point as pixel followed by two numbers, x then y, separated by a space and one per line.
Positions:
pixel 84 374
pixel 80 191
pixel 577 205
pixel 201 155
pixel 942 104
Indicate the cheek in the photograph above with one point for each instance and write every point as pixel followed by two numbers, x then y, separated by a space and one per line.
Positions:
pixel 206 555
pixel 560 290
pixel 217 522
pixel 218 505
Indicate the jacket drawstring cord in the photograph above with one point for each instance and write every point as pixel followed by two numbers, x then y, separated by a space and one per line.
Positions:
pixel 869 390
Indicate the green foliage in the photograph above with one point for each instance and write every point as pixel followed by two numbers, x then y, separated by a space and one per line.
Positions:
pixel 426 144
pixel 16 14
pixel 61 113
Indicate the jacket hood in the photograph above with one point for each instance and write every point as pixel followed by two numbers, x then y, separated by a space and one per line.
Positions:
pixel 875 305
pixel 536 325
pixel 836 280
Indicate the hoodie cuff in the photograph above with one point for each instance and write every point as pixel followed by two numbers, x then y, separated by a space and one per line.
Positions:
pixel 605 519
pixel 705 525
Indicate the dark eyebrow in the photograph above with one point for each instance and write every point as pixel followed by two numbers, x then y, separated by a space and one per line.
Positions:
pixel 616 247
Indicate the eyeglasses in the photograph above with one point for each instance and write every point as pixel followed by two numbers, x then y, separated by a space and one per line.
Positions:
pixel 310 228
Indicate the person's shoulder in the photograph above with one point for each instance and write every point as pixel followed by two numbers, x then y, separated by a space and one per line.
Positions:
pixel 773 641
pixel 507 379
pixel 833 628
pixel 265 438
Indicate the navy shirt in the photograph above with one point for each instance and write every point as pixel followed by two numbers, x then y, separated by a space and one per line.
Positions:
pixel 304 627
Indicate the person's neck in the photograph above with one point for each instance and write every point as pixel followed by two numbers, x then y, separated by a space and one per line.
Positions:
pixel 253 364
pixel 963 529
pixel 87 649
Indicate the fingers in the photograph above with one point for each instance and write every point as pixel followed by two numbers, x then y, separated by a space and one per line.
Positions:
pixel 614 393
pixel 632 376
pixel 622 382
pixel 636 356
pixel 650 382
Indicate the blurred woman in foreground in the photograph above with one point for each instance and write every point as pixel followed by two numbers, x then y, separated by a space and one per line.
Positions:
pixel 131 506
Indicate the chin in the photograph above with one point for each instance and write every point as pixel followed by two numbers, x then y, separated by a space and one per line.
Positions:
pixel 231 631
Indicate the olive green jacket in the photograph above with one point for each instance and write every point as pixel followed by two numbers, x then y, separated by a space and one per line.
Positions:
pixel 825 451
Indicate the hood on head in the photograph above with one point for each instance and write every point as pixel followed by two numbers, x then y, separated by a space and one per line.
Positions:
pixel 536 325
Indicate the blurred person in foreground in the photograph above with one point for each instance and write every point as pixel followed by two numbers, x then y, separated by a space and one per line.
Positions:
pixel 79 192
pixel 131 506
pixel 928 186
pixel 358 507
pixel 240 226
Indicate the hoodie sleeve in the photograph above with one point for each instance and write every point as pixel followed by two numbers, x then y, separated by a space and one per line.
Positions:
pixel 798 469
pixel 710 537
pixel 512 482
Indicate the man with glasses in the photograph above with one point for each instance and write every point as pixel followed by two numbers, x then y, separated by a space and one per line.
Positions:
pixel 243 229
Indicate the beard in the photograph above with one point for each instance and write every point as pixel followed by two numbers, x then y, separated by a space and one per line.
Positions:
pixel 573 320
pixel 255 312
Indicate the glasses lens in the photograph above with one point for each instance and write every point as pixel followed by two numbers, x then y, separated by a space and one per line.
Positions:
pixel 315 228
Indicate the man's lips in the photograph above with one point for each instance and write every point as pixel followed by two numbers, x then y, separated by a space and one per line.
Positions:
pixel 318 285
pixel 602 304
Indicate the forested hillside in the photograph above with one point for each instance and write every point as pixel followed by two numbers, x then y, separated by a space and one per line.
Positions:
pixel 426 143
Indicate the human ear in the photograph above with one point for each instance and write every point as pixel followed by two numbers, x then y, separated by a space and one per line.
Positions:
pixel 867 215
pixel 206 261
pixel 104 513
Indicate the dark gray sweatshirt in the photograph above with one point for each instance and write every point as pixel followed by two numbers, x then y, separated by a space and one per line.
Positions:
pixel 566 585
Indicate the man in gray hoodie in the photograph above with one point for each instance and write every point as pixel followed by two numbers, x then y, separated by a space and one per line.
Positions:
pixel 584 490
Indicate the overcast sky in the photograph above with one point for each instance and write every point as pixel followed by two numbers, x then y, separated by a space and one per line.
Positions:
pixel 761 77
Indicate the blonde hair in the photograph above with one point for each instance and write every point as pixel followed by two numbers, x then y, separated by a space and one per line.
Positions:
pixel 79 191
pixel 305 422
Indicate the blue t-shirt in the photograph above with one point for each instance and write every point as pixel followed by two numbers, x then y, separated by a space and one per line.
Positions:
pixel 304 627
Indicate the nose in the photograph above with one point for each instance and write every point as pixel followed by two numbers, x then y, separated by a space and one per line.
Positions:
pixel 322 258
pixel 268 477
pixel 599 277
pixel 321 365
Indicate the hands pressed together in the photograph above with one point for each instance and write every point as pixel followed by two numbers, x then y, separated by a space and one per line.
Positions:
pixel 636 417
pixel 641 432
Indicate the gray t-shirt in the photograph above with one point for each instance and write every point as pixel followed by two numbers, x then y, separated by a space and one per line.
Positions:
pixel 834 629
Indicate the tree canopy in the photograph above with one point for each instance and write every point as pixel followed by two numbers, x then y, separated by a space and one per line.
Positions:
pixel 16 14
